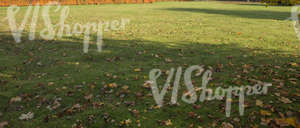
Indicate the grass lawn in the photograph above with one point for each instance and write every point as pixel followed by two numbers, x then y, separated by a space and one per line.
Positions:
pixel 63 86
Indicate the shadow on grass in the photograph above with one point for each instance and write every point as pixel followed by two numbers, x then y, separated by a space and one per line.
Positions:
pixel 253 4
pixel 133 53
pixel 253 14
pixel 57 58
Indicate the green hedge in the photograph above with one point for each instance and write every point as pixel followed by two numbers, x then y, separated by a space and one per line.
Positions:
pixel 281 2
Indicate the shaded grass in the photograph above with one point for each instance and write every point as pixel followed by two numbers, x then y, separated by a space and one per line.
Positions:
pixel 252 14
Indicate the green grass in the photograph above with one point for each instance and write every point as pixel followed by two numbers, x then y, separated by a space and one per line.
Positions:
pixel 225 36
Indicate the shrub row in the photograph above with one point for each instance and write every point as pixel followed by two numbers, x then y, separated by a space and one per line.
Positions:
pixel 281 2
pixel 76 2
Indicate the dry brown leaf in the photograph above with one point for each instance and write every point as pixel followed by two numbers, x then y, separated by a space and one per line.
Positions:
pixel 50 83
pixel 168 60
pixel 147 84
pixel 88 97
pixel 227 125
pixel 285 100
pixel 3 124
pixel 259 103
pixel 15 99
pixel 113 85
pixel 265 122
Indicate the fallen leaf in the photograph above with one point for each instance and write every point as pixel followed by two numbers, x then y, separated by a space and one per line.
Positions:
pixel 227 125
pixel 3 124
pixel 15 99
pixel 126 122
pixel 285 100
pixel 147 84
pixel 168 60
pixel 137 70
pixel 168 123
pixel 259 103
pixel 264 121
pixel 50 83
pixel 192 114
pixel 136 113
pixel 27 116
pixel 265 113
pixel 125 87
pixel 284 122
pixel 294 64
pixel 88 97
pixel 113 85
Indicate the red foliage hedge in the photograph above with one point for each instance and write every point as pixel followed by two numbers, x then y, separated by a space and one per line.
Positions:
pixel 76 2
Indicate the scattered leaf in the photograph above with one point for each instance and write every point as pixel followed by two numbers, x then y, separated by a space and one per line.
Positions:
pixel 227 125
pixel 265 113
pixel 259 103
pixel 27 116
pixel 285 100
pixel 113 85
pixel 15 99
pixel 137 70
pixel 168 123
pixel 284 122
pixel 3 124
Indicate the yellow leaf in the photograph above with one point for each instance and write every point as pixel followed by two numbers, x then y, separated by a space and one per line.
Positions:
pixel 294 64
pixel 286 122
pixel 137 70
pixel 113 85
pixel 291 121
pixel 265 113
pixel 168 123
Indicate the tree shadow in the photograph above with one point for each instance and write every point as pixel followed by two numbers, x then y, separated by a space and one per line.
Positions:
pixel 138 53
pixel 64 62
pixel 253 4
pixel 253 14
